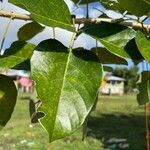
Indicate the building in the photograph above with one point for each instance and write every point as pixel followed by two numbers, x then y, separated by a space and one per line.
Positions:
pixel 112 85
pixel 21 79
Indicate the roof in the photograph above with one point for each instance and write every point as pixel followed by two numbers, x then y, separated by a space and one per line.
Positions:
pixel 113 78
pixel 12 72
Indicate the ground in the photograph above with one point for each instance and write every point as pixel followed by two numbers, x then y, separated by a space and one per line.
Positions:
pixel 114 117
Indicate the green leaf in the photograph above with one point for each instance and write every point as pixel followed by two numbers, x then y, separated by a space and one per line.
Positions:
pixel 8 96
pixel 136 7
pixel 28 31
pixel 53 13
pixel 144 89
pixel 108 68
pixel 113 37
pixel 23 66
pixel 116 43
pixel 107 57
pixel 143 45
pixel 34 115
pixel 133 51
pixel 102 30
pixel 66 82
pixel 112 5
pixel 17 53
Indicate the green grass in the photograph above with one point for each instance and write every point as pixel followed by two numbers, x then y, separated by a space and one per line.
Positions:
pixel 117 116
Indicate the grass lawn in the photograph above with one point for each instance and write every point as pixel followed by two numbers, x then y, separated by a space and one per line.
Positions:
pixel 114 117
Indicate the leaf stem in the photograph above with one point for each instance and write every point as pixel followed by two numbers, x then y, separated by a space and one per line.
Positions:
pixel 5 34
pixel 72 41
pixel 8 14
pixel 54 35
pixel 73 35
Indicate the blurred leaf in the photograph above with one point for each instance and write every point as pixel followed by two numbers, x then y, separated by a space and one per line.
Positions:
pixel 143 45
pixel 53 13
pixel 28 31
pixel 136 7
pixel 34 115
pixel 144 89
pixel 66 82
pixel 107 68
pixel 17 53
pixel 8 96
pixel 107 57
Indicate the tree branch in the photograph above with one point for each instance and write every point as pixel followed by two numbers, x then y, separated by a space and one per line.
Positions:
pixel 10 14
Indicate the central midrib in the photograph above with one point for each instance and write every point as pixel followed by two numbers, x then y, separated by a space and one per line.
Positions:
pixel 64 78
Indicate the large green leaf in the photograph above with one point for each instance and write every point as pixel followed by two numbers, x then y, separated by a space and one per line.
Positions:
pixel 53 13
pixel 113 37
pixel 8 96
pixel 29 30
pixel 143 45
pixel 136 7
pixel 17 53
pixel 144 88
pixel 107 57
pixel 66 83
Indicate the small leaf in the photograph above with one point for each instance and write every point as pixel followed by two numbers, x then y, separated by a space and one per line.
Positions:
pixel 107 57
pixel 17 53
pixel 112 5
pixel 28 31
pixel 8 96
pixel 108 68
pixel 144 89
pixel 133 51
pixel 66 82
pixel 34 115
pixel 53 13
pixel 143 45
pixel 138 8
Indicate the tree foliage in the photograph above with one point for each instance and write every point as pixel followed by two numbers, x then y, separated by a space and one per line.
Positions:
pixel 67 79
pixel 131 76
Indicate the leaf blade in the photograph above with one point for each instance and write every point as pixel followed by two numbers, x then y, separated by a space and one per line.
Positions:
pixel 8 96
pixel 16 54
pixel 29 30
pixel 65 107
pixel 144 88
pixel 54 13
pixel 143 45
